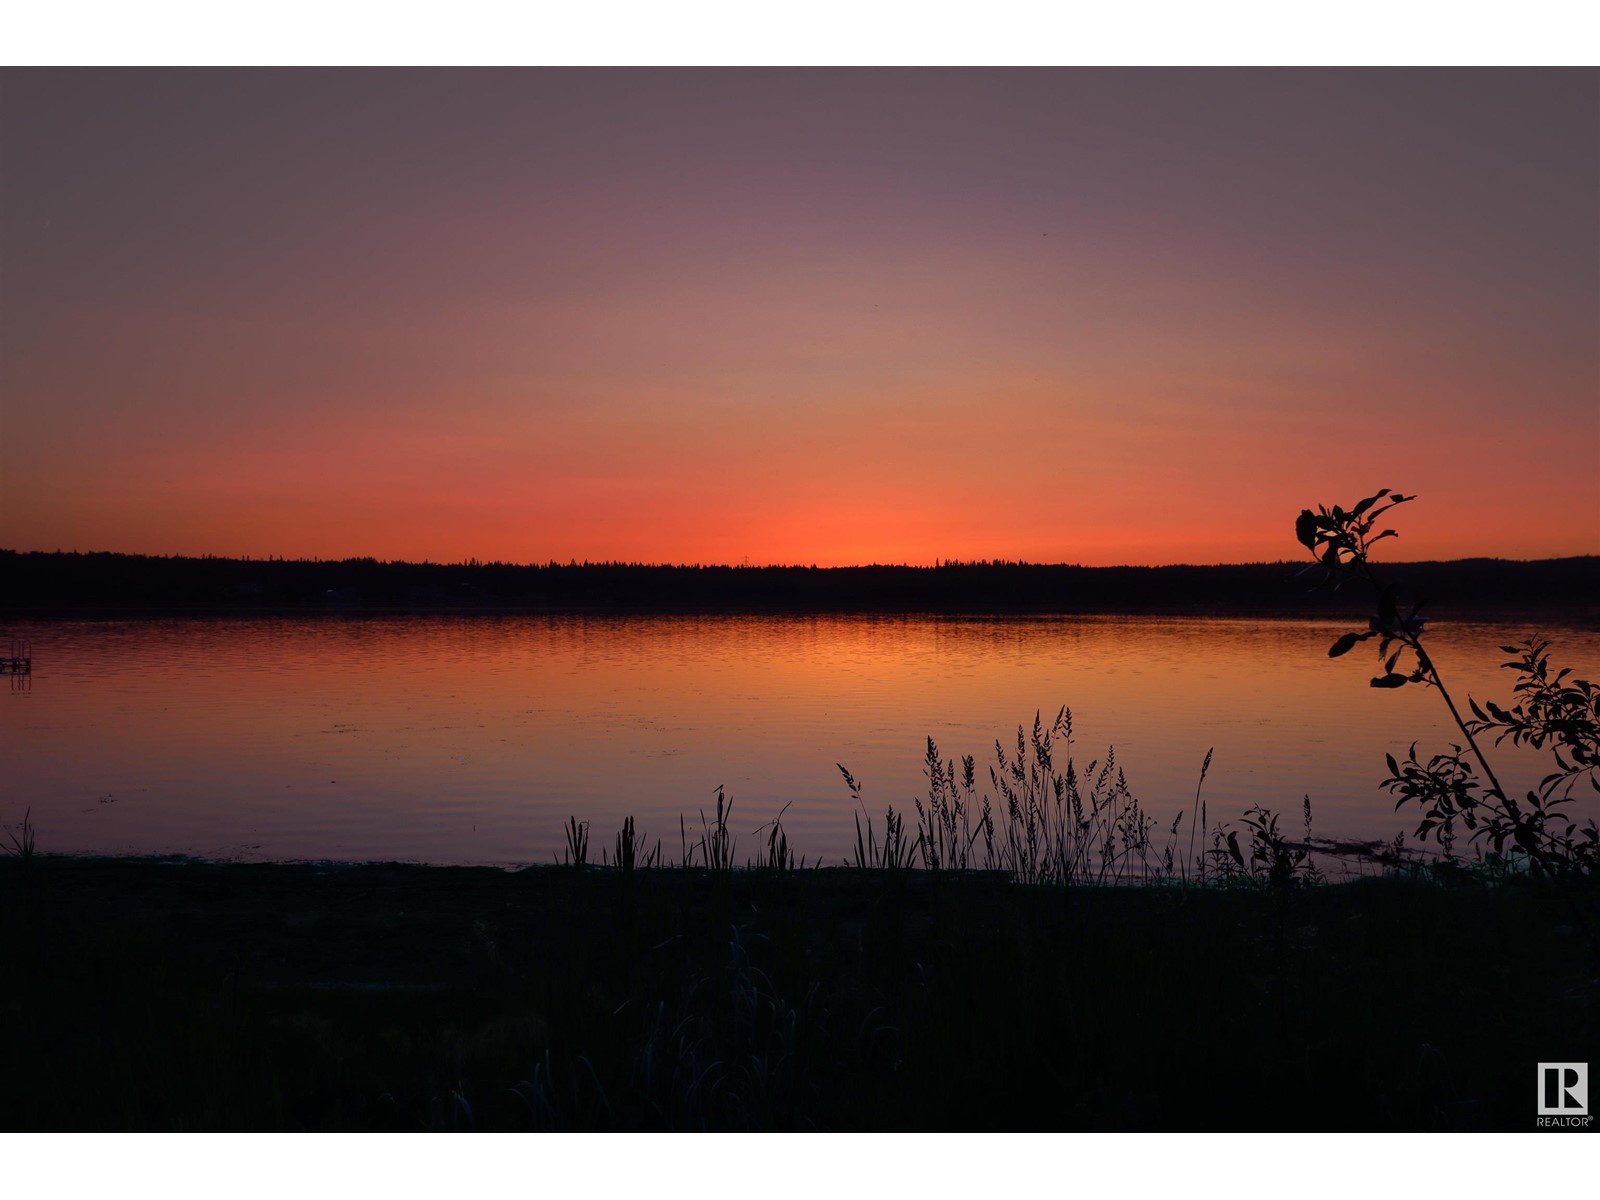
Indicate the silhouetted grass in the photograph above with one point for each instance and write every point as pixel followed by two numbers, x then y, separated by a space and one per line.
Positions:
pixel 1047 823
pixel 626 854
pixel 21 841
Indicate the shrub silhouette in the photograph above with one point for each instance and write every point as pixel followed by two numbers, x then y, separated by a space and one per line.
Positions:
pixel 1550 711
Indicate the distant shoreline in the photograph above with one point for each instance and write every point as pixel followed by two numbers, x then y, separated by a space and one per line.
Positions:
pixel 1582 616
pixel 104 585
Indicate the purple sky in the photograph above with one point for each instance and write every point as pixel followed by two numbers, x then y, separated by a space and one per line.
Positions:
pixel 820 316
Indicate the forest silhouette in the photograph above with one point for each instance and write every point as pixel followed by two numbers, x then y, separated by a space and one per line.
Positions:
pixel 47 584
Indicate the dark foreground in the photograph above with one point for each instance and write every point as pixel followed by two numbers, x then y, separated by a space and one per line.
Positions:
pixel 148 995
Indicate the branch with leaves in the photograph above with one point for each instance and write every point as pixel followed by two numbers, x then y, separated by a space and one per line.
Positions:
pixel 1554 711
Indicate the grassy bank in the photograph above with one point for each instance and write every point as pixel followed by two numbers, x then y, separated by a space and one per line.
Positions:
pixel 152 995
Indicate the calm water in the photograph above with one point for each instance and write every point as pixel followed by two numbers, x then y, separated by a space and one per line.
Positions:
pixel 458 740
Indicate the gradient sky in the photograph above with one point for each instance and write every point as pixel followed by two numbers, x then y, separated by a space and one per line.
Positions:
pixel 823 316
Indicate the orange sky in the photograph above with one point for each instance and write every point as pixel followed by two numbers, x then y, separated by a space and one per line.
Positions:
pixel 797 316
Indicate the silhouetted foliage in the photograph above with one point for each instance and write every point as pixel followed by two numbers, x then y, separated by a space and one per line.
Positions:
pixel 896 853
pixel 626 854
pixel 1551 711
pixel 1272 857
pixel 20 842
pixel 716 844
pixel 1045 823
pixel 577 853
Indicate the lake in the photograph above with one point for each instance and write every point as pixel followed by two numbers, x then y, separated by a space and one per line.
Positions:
pixel 472 739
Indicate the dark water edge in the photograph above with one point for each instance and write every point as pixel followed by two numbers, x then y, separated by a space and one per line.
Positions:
pixel 152 994
pixel 97 584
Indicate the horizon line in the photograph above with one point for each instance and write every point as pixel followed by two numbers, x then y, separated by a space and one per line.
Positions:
pixel 473 562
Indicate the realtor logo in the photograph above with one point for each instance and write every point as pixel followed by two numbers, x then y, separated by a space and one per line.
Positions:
pixel 1563 1089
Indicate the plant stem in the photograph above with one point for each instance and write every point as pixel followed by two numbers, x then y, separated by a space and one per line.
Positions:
pixel 1427 665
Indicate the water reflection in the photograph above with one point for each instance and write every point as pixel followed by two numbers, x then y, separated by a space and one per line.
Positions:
pixel 473 739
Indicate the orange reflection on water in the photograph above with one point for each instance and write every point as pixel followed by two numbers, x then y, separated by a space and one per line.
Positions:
pixel 473 739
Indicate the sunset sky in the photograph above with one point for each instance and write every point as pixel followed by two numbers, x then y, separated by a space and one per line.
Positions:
pixel 816 316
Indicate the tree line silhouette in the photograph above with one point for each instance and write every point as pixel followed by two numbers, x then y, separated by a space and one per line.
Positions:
pixel 56 583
